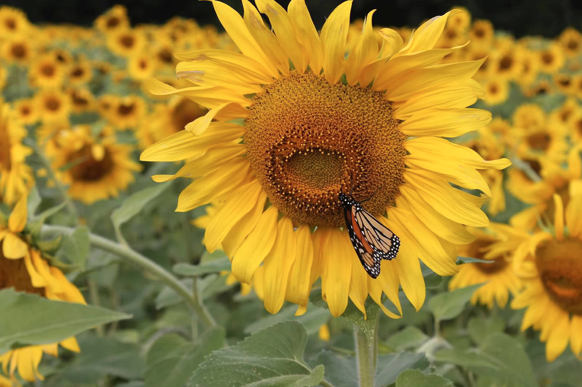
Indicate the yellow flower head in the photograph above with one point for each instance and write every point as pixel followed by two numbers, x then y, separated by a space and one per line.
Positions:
pixel 481 34
pixel 99 168
pixel 13 22
pixel 551 59
pixel 26 111
pixel 113 20
pixel 15 176
pixel 496 91
pixel 53 106
pixel 23 268
pixel 127 112
pixel 80 73
pixel 571 42
pixel 81 100
pixel 141 66
pixel 553 284
pixel 46 72
pixel 369 125
pixel 498 277
pixel 126 42
pixel 18 50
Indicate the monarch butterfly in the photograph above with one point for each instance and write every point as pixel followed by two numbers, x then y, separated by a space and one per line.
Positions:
pixel 372 240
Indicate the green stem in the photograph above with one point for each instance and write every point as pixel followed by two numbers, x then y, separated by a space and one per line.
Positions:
pixel 366 354
pixel 148 265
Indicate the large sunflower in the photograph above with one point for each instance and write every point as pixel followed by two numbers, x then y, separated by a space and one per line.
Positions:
pixel 98 167
pixel 23 268
pixel 15 176
pixel 315 124
pixel 553 280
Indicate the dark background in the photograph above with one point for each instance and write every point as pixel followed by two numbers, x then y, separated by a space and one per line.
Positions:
pixel 520 17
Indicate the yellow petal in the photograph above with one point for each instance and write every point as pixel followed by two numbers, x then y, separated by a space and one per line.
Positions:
pixel 35 278
pixel 450 202
pixel 559 217
pixel 319 238
pixel 392 42
pixel 218 182
pixel 237 30
pixel 232 211
pixel 333 37
pixel 426 36
pixel 43 269
pixel 278 265
pixel 255 248
pixel 574 216
pixel 299 285
pixel 71 344
pixel 388 283
pixel 259 282
pixel 98 152
pixel 213 159
pixel 17 219
pixel 358 291
pixel 243 227
pixel 306 33
pixel 265 38
pixel 440 225
pixel 28 361
pixel 207 96
pixel 559 336
pixel 364 52
pixel 281 23
pixel 324 333
pixel 183 145
pixel 199 125
pixel 337 270
pixel 13 247
pixel 576 334
pixel 70 291
pixel 207 73
pixel 445 123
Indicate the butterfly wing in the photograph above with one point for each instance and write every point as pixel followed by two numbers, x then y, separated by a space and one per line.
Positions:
pixel 369 259
pixel 382 240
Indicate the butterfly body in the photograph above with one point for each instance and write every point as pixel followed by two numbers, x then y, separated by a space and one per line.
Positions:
pixel 371 240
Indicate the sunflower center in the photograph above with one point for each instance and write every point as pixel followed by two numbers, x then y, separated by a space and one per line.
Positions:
pixel 13 274
pixel 113 22
pixel 308 140
pixel 78 72
pixel 573 45
pixel 127 41
pixel 547 58
pixel 534 165
pixel 478 249
pixel 165 56
pixel 560 268
pixel 10 24
pixel 505 63
pixel 479 33
pixel 87 168
pixel 18 51
pixel 52 104
pixel 125 109
pixel 25 110
pixel 539 141
pixel 48 70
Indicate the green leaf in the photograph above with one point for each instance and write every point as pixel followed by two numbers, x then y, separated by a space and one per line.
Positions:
pixel 413 378
pixel 75 247
pixel 465 359
pixel 134 204
pixel 271 357
pixel 409 337
pixel 172 359
pixel 311 320
pixel 390 366
pixel 462 260
pixel 33 201
pixel 480 328
pixel 101 356
pixel 215 266
pixel 340 370
pixel 28 319
pixel 446 306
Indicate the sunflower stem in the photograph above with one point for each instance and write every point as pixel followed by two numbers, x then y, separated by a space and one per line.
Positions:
pixel 194 302
pixel 366 346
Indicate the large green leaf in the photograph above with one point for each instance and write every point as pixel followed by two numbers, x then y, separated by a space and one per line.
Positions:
pixel 311 320
pixel 74 247
pixel 340 370
pixel 271 357
pixel 480 328
pixel 409 337
pixel 28 319
pixel 172 359
pixel 215 266
pixel 413 378
pixel 390 366
pixel 134 204
pixel 448 305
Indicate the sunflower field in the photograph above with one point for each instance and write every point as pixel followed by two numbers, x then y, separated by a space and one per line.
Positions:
pixel 280 203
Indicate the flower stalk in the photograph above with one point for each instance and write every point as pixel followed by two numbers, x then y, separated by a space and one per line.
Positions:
pixel 366 345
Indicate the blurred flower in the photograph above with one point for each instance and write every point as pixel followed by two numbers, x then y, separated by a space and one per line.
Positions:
pixel 26 111
pixel 13 22
pixel 113 20
pixel 127 112
pixel 496 91
pixel 126 42
pixel 53 105
pixel 551 59
pixel 571 42
pixel 46 72
pixel 18 50
pixel 80 73
pixel 23 268
pixel 304 136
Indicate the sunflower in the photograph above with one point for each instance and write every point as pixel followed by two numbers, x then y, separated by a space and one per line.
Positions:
pixel 564 83
pixel 46 72
pixel 575 127
pixel 496 91
pixel 308 137
pixel 82 100
pixel 18 50
pixel 553 286
pixel 141 66
pixel 571 42
pixel 499 126
pixel 507 63
pixel 567 113
pixel 127 112
pixel 13 22
pixel 15 176
pixel 80 73
pixel 460 20
pixel 64 57
pixel 53 105
pixel 23 268
pixel 528 116
pixel 498 276
pixel 26 111
pixel 548 140
pixel 530 67
pixel 113 20
pixel 126 42
pixel 551 59
pixel 482 34
pixel 98 167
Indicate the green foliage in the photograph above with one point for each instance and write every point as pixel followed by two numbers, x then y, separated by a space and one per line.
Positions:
pixel 412 378
pixel 214 266
pixel 271 357
pixel 31 320
pixel 446 306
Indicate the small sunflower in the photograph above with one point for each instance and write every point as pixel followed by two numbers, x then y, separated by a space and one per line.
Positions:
pixel 507 63
pixel 126 42
pixel 13 22
pixel 23 268
pixel 82 100
pixel 127 112
pixel 53 105
pixel 548 140
pixel 482 34
pixel 564 83
pixel 141 66
pixel 571 42
pixel 63 57
pixel 309 136
pixel 496 91
pixel 498 276
pixel 18 50
pixel 80 73
pixel 530 67
pixel 460 20
pixel 15 176
pixel 26 111
pixel 567 114
pixel 46 72
pixel 99 167
pixel 575 127
pixel 113 20
pixel 529 116
pixel 551 59
pixel 499 126
pixel 553 283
